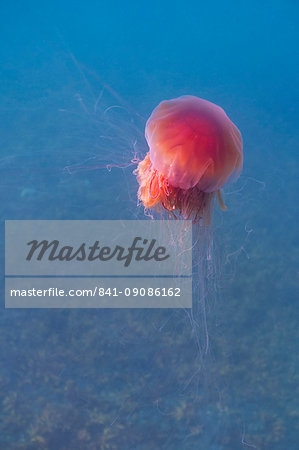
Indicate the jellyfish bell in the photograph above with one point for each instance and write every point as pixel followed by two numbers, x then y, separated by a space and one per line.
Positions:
pixel 194 150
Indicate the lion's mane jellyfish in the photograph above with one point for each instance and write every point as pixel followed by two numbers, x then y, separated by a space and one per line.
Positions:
pixel 194 149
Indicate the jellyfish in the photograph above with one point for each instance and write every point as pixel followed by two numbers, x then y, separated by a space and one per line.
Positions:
pixel 194 150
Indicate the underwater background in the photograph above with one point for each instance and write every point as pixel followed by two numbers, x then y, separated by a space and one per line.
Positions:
pixel 77 83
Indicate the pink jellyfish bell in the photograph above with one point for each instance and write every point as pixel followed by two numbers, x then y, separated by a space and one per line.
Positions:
pixel 194 150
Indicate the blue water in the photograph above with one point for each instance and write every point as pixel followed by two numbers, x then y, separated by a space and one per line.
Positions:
pixel 112 379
